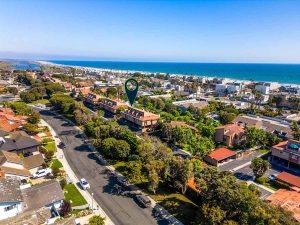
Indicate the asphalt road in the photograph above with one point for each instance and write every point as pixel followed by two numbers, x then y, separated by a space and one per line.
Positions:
pixel 239 162
pixel 121 209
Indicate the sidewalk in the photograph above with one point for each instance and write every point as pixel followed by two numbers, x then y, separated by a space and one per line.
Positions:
pixel 60 155
pixel 262 186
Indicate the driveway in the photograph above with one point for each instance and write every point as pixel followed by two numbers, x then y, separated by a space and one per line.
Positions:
pixel 242 171
pixel 240 162
pixel 121 209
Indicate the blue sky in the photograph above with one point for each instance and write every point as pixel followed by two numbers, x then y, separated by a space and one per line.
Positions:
pixel 190 31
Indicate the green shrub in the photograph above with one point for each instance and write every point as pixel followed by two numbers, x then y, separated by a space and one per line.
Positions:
pixel 262 180
pixel 46 140
pixel 63 183
pixel 279 184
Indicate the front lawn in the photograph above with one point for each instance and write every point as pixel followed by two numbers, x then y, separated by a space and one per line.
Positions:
pixel 56 163
pixel 50 146
pixel 73 195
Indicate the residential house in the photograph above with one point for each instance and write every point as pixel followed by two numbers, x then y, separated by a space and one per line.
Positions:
pixel 68 86
pixel 15 200
pixel 263 88
pixel 11 198
pixel 111 106
pixel 220 155
pixel 185 104
pixel 287 199
pixel 276 126
pixel 33 217
pixel 20 143
pixel 287 152
pixel 47 194
pixel 139 118
pixel 93 98
pixel 9 121
pixel 14 166
pixel 230 134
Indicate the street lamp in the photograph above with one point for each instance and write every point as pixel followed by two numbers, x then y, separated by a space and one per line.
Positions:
pixel 92 202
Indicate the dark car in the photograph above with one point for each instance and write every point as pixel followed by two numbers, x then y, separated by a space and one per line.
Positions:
pixel 62 145
pixel 144 200
pixel 122 181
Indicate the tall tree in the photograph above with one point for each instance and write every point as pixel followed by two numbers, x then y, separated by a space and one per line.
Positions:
pixel 259 166
pixel 296 130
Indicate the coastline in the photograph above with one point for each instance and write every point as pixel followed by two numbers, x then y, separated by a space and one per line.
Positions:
pixel 123 71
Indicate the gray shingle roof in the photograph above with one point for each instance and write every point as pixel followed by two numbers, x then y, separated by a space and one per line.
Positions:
pixel 43 194
pixel 33 217
pixel 33 161
pixel 18 140
pixel 10 190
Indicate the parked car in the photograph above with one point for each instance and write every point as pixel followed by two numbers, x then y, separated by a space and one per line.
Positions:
pixel 42 172
pixel 84 184
pixel 77 222
pixel 62 145
pixel 122 181
pixel 144 200
pixel 272 177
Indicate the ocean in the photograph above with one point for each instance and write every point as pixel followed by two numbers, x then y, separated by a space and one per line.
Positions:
pixel 282 73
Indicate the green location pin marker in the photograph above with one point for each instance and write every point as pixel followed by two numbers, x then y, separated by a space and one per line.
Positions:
pixel 131 87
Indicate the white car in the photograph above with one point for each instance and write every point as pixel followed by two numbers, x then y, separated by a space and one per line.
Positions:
pixel 273 177
pixel 42 172
pixel 84 184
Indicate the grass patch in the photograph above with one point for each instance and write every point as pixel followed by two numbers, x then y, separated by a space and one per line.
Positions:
pixel 177 204
pixel 73 195
pixel 263 151
pixel 41 101
pixel 56 163
pixel 50 146
pixel 119 166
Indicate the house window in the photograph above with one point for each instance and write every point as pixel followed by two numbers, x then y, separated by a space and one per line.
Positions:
pixel 11 207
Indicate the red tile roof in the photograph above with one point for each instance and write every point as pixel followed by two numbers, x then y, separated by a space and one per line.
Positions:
pixel 7 126
pixel 232 129
pixel 287 199
pixel 289 179
pixel 280 146
pixel 221 153
pixel 192 184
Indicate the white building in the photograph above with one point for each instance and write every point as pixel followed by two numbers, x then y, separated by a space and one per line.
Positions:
pixel 263 88
pixel 11 199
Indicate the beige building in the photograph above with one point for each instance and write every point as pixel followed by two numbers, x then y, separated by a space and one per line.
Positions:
pixel 111 105
pixel 230 134
pixel 93 98
pixel 139 118
pixel 287 151
pixel 11 165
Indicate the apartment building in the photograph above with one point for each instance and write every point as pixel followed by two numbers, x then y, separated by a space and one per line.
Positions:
pixel 287 152
pixel 111 106
pixel 139 118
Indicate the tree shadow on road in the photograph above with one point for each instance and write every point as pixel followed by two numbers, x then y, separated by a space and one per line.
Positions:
pixel 98 159
pixel 82 148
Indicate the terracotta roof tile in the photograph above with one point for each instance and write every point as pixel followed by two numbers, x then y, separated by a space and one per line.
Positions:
pixel 221 153
pixel 289 179
pixel 287 199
